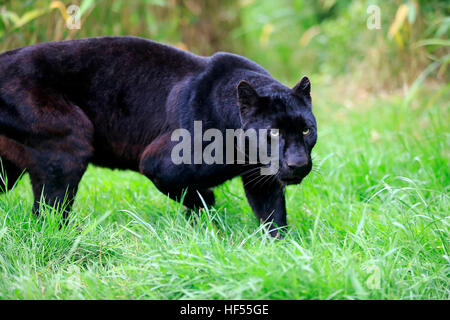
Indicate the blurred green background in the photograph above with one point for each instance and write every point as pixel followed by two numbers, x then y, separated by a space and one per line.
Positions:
pixel 370 222
pixel 326 39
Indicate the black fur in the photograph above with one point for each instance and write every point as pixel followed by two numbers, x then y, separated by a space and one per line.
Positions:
pixel 114 102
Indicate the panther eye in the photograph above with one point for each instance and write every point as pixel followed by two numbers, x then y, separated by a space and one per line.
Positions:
pixel 274 132
pixel 306 131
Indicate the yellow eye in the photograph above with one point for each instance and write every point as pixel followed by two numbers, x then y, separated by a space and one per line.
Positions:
pixel 306 131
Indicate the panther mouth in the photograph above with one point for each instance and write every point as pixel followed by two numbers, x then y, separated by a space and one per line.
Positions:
pixel 291 180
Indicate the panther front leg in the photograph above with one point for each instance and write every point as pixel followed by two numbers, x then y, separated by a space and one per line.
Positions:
pixel 175 181
pixel 266 197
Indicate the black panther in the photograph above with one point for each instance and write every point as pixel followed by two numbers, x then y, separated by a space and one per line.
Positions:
pixel 114 102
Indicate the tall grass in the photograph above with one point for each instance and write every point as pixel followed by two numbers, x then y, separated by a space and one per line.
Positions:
pixel 370 223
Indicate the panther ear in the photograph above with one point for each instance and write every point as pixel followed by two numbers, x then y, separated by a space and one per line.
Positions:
pixel 302 88
pixel 247 98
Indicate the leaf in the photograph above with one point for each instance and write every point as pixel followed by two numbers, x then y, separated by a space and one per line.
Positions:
pixel 61 7
pixel 433 42
pixel 309 35
pixel 398 38
pixel 265 34
pixel 420 79
pixel 399 20
pixel 162 3
pixel 85 6
pixel 411 13
pixel 29 16
pixel 443 27
pixel 9 16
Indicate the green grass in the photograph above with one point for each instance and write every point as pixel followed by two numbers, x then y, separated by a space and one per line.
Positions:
pixel 372 223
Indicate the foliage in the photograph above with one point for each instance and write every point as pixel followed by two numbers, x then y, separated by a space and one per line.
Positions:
pixel 327 38
pixel 370 222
